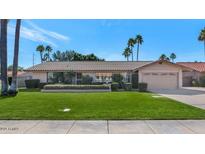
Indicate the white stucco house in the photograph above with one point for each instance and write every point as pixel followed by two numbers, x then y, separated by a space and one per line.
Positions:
pixel 198 71
pixel 157 74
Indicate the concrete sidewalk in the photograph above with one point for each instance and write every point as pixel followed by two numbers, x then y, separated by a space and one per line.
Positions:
pixel 102 127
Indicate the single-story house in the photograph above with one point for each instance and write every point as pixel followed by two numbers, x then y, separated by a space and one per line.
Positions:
pixel 158 74
pixel 198 70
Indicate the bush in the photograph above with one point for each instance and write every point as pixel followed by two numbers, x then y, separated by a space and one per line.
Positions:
pixel 80 87
pixel 127 86
pixel 86 79
pixel 117 78
pixel 42 84
pixel 195 83
pixel 32 83
pixel 12 93
pixel 97 83
pixel 142 87
pixel 114 86
pixel 202 81
pixel 9 80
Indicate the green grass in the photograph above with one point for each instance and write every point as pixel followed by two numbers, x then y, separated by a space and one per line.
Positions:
pixel 113 105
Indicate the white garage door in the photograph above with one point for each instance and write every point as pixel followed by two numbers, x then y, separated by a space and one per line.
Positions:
pixel 161 80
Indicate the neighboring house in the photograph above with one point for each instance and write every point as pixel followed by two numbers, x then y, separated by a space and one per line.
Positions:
pixel 198 70
pixel 158 74
pixel 21 77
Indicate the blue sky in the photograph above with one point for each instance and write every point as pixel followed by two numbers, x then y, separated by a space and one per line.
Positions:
pixel 108 38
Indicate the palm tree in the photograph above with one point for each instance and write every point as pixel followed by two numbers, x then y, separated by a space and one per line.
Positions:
pixel 48 49
pixel 202 37
pixel 13 87
pixel 40 49
pixel 139 41
pixel 127 53
pixel 131 43
pixel 173 56
pixel 3 50
pixel 163 57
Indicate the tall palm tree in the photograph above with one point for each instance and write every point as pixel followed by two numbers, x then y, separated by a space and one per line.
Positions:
pixel 138 41
pixel 3 50
pixel 13 87
pixel 201 37
pixel 40 49
pixel 49 50
pixel 131 43
pixel 163 57
pixel 173 56
pixel 126 53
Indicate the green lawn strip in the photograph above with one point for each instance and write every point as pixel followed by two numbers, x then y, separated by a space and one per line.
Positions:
pixel 111 105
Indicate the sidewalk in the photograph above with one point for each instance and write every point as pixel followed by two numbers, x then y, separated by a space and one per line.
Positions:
pixel 102 127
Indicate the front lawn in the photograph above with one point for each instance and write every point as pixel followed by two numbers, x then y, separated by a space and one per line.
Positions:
pixel 111 105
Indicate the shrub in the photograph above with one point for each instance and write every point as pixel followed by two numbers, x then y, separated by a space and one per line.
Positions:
pixel 127 86
pixel 114 86
pixel 83 87
pixel 9 80
pixel 86 79
pixel 117 78
pixel 195 83
pixel 42 84
pixel 12 93
pixel 202 81
pixel 32 83
pixel 142 87
pixel 97 83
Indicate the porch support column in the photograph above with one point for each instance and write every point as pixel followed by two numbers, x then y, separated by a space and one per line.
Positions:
pixel 46 77
pixel 75 77
pixel 139 76
pixel 131 76
pixel 180 79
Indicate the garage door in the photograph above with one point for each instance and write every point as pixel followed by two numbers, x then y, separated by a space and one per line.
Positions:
pixel 161 80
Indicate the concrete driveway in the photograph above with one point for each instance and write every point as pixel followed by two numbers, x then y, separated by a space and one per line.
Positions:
pixel 190 95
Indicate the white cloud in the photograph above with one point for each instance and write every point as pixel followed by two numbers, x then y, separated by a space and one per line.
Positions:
pixel 37 34
pixel 52 34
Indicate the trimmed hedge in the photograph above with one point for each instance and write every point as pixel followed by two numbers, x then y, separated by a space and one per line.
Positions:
pixel 32 83
pixel 114 86
pixel 127 86
pixel 83 87
pixel 142 87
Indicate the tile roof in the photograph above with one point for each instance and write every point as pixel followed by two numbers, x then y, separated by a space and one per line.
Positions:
pixel 88 66
pixel 19 73
pixel 197 66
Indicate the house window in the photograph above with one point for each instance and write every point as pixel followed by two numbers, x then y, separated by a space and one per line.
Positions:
pixel 173 74
pixel 146 73
pixel 79 75
pixel 154 73
pixel 50 77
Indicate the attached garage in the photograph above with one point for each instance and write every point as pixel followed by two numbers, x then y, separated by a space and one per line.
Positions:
pixel 159 80
pixel 161 75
